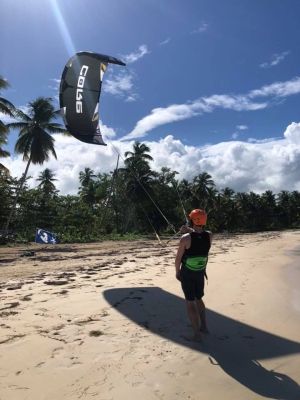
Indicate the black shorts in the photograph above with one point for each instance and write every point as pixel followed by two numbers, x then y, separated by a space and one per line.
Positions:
pixel 192 284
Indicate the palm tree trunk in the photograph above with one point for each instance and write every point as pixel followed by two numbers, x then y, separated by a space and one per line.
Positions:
pixel 129 218
pixel 110 192
pixel 16 198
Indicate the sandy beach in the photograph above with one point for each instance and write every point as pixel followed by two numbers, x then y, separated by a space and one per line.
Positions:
pixel 105 321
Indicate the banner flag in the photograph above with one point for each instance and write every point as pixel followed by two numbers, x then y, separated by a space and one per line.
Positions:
pixel 43 237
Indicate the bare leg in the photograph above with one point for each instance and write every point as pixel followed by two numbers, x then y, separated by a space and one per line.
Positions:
pixel 201 310
pixel 193 314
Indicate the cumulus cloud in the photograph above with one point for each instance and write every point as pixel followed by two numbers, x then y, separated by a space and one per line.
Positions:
pixel 242 127
pixel 121 85
pixel 240 102
pixel 257 165
pixel 136 55
pixel 202 28
pixel 275 60
pixel 292 133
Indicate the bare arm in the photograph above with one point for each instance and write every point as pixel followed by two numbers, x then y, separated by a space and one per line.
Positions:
pixel 180 252
pixel 186 229
pixel 210 236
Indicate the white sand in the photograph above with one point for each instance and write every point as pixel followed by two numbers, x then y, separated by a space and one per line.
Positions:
pixel 128 295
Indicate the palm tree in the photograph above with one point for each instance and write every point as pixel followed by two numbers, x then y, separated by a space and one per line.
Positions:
pixel 227 192
pixel 88 193
pixel 284 205
pixel 138 155
pixel 268 210
pixel 35 141
pixel 86 176
pixel 3 153
pixel 202 188
pixel 46 178
pixel 138 175
pixel 6 108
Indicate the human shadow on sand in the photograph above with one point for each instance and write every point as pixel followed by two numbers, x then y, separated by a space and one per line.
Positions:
pixel 233 345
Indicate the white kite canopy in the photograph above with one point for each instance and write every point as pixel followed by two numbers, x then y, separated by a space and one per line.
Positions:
pixel 79 94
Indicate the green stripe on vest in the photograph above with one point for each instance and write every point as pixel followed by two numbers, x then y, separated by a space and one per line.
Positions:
pixel 196 263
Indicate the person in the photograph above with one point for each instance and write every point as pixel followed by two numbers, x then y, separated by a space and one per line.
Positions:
pixel 190 263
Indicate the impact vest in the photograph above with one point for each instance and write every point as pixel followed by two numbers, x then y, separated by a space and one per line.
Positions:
pixel 195 258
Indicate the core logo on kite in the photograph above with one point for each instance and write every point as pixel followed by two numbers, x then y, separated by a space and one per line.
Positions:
pixel 79 94
pixel 79 90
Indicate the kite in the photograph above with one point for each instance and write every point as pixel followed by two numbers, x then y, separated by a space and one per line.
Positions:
pixel 79 94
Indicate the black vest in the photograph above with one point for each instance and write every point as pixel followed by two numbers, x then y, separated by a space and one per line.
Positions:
pixel 195 258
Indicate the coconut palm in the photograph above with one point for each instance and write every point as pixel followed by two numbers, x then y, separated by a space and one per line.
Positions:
pixel 3 153
pixel 138 155
pixel 35 141
pixel 202 188
pixel 6 108
pixel 227 192
pixel 88 193
pixel 86 176
pixel 138 175
pixel 46 178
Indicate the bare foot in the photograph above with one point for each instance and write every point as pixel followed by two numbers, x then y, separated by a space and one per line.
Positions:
pixel 195 338
pixel 204 329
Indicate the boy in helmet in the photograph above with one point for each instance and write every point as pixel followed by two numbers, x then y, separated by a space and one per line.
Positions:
pixel 190 264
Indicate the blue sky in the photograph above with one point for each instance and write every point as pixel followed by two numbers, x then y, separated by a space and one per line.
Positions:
pixel 208 86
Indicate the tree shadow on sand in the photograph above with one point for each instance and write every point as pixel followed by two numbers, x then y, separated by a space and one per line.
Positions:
pixel 233 345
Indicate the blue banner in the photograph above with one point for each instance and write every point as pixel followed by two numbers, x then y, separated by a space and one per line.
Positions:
pixel 45 237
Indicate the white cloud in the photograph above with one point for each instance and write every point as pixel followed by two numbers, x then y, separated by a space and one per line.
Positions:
pixel 165 42
pixel 202 28
pixel 278 89
pixel 242 102
pixel 275 60
pixel 136 55
pixel 257 165
pixel 242 127
pixel 6 119
pixel 161 116
pixel 55 88
pixel 57 81
pixel 235 135
pixel 121 85
pixel 292 133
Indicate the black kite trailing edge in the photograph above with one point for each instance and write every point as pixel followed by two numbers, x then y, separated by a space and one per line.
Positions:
pixel 79 94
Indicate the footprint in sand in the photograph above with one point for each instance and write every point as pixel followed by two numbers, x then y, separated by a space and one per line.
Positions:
pixel 62 292
pixel 14 287
pixel 39 364
pixel 56 283
pixel 56 352
pixel 27 297
pixel 4 314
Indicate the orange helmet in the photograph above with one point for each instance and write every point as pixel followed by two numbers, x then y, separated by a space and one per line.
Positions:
pixel 199 217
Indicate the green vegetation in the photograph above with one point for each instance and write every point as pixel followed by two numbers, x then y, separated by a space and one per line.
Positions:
pixel 128 203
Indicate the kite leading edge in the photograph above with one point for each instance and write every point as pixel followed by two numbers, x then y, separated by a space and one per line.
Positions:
pixel 79 94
